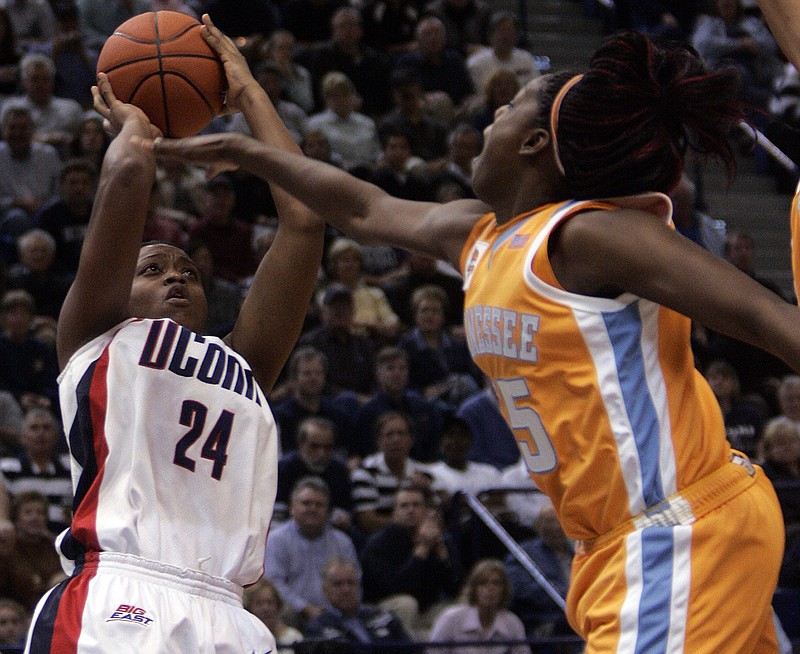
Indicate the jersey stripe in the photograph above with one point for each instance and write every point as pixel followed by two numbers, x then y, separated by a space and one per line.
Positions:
pixel 625 333
pixel 84 521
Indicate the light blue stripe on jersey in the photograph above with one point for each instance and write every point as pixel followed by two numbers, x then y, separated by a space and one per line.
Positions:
pixel 655 602
pixel 625 333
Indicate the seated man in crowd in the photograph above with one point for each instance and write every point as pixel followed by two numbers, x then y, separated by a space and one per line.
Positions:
pixel 411 566
pixel 298 549
pixel 347 622
pixel 380 475
pixel 309 396
pixel 425 416
pixel 315 456
pixel 39 468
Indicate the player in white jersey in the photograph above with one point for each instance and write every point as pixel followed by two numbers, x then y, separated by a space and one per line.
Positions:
pixel 173 445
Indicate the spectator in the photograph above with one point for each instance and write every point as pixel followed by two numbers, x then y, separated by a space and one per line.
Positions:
pixel 729 37
pixel 28 366
pixel 38 467
pixel 33 22
pixel 389 25
pixel 317 146
pixel 270 77
pixel 693 223
pixel 482 615
pixel 789 397
pixel 9 57
pixel 347 53
pixel 463 145
pixel 34 554
pixel 295 79
pixel 55 118
pixel 298 549
pixel 740 251
pixel 498 90
pixel 398 172
pixel 411 557
pixel 522 496
pixel 425 416
pixel 36 273
pixel 379 477
pixel 493 441
pixel 314 456
pixel 223 297
pixel 13 624
pixel 310 396
pixel 422 270
pixel 264 601
pixel 502 53
pixel 75 65
pixel 552 552
pixel 66 216
pixel 465 21
pixel 228 237
pixel 99 18
pixel 427 136
pixel 440 68
pixel 182 189
pixel 10 427
pixel 29 173
pixel 455 473
pixel 780 450
pixel 350 356
pixel 744 418
pixel 352 135
pixel 346 623
pixel 373 316
pixel 439 366
pixel 784 109
pixel 159 224
pixel 90 141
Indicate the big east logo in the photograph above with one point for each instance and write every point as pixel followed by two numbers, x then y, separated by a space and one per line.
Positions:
pixel 129 613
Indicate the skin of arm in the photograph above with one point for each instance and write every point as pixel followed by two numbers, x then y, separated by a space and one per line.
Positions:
pixel 98 298
pixel 277 301
pixel 357 208
pixel 604 252
pixel 783 18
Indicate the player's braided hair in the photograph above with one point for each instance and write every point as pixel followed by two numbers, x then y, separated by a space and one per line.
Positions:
pixel 625 126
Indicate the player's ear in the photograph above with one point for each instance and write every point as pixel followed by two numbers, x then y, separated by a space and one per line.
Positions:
pixel 536 140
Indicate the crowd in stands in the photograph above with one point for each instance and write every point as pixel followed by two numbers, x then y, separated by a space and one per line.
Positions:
pixel 384 421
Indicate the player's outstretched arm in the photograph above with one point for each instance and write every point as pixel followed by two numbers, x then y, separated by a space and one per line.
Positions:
pixel 98 299
pixel 357 208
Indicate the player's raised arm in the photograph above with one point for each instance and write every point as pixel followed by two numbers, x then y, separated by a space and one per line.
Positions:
pixel 278 299
pixel 98 299
pixel 783 18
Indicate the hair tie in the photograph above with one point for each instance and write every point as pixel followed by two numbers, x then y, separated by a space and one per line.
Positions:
pixel 554 111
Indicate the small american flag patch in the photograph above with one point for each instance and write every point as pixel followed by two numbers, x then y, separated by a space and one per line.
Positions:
pixel 518 241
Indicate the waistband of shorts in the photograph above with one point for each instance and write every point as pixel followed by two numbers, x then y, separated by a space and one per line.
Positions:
pixel 186 580
pixel 689 505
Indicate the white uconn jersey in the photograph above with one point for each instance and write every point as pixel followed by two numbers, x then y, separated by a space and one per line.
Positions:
pixel 174 451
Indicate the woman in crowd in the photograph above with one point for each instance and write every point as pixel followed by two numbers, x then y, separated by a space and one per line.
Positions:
pixel 482 615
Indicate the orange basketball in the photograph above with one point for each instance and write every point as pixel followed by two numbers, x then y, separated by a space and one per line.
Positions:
pixel 159 62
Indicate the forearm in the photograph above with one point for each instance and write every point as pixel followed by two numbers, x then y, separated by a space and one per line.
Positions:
pixel 783 18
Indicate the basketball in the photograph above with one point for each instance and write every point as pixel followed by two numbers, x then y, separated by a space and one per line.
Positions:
pixel 159 62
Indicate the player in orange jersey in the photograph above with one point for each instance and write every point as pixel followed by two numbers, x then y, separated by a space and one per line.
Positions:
pixel 579 297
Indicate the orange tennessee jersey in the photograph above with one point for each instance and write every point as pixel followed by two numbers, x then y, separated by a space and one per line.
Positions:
pixel 795 230
pixel 602 395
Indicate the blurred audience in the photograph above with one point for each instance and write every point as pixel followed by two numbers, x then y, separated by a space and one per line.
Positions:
pixel 264 601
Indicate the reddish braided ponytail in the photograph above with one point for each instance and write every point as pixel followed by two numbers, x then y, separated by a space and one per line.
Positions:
pixel 625 126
